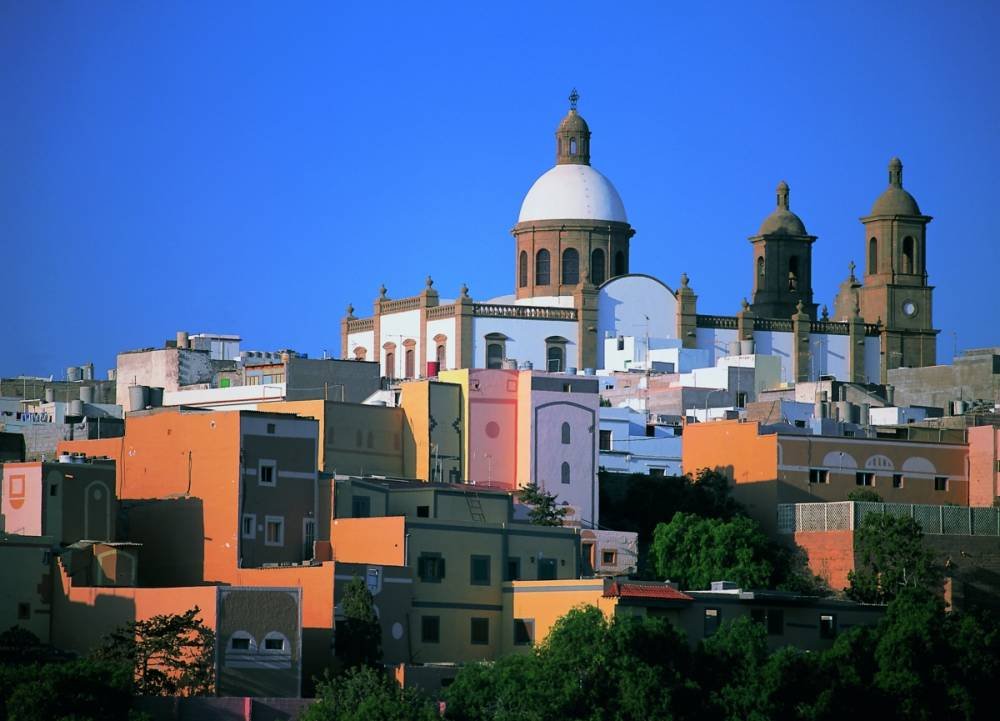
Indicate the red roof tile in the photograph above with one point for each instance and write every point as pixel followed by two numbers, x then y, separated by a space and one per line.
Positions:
pixel 631 589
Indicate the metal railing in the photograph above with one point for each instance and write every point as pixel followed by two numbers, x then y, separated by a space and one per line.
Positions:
pixel 848 515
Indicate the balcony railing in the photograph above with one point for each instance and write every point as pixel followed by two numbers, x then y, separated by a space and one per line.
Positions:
pixel 526 312
pixel 848 515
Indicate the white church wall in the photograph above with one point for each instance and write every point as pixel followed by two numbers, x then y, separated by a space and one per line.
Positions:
pixel 684 360
pixel 873 358
pixel 778 344
pixel 525 339
pixel 445 327
pixel 364 339
pixel 716 341
pixel 398 328
pixel 635 305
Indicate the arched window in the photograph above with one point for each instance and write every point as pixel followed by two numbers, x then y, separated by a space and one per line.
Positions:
pixel 241 641
pixel 565 433
pixel 390 364
pixel 440 355
pixel 410 363
pixel 360 353
pixel 620 268
pixel 276 643
pixel 496 350
pixel 872 256
pixel 760 267
pixel 908 265
pixel 522 269
pixel 793 272
pixel 570 267
pixel 572 146
pixel 555 358
pixel 543 264
pixel 597 271
pixel 564 473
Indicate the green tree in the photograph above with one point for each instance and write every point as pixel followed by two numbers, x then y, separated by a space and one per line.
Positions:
pixel 730 665
pixel 358 636
pixel 367 694
pixel 865 495
pixel 694 551
pixel 890 557
pixel 544 511
pixel 510 689
pixel 172 655
pixel 82 690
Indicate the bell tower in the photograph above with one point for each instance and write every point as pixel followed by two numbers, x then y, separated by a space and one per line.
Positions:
pixel 782 263
pixel 895 289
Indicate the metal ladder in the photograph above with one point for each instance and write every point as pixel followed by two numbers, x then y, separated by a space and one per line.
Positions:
pixel 475 506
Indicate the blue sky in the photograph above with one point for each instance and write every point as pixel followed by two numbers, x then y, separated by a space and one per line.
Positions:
pixel 253 167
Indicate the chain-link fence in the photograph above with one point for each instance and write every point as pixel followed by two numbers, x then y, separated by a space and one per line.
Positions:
pixel 848 515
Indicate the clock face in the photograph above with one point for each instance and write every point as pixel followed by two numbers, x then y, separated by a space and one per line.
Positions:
pixel 909 309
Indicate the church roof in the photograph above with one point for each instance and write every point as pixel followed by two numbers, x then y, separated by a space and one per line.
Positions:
pixel 572 192
pixel 782 221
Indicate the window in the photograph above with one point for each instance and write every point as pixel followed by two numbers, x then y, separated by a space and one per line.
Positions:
pixel 773 618
pixel 249 529
pixel 872 256
pixel 608 558
pixel 713 618
pixel 390 364
pixel 360 353
pixel 494 355
pixel 741 399
pixel 657 472
pixel 827 626
pixel 513 569
pixel 555 357
pixel 275 642
pixel 570 267
pixel 23 611
pixel 524 631
pixel 543 264
pixel 308 538
pixel 430 567
pixel 274 531
pixel 479 570
pixel 793 266
pixel 410 362
pixel 908 264
pixel 54 490
pixel 819 475
pixel 605 440
pixel 546 569
pixel 597 271
pixel 650 430
pixel 564 473
pixel 270 428
pixel 267 473
pixel 897 480
pixel 572 146
pixel 760 267
pixel 423 511
pixel 864 478
pixel 479 631
pixel 440 354
pixel 565 432
pixel 430 629
pixel 522 269
pixel 361 507
pixel 240 643
pixel 620 268
pixel 940 483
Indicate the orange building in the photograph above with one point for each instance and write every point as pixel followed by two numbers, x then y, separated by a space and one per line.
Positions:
pixel 768 465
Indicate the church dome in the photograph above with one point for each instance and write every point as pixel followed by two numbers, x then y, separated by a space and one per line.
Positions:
pixel 573 123
pixel 572 192
pixel 782 221
pixel 895 200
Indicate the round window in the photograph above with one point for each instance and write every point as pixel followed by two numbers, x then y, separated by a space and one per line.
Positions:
pixel 909 309
pixel 492 429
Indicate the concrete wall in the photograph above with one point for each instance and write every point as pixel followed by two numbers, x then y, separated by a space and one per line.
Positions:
pixel 984 472
pixel 975 375
pixel 25 593
pixel 331 379
pixel 168 368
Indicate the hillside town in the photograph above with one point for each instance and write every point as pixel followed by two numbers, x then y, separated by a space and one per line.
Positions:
pixel 486 466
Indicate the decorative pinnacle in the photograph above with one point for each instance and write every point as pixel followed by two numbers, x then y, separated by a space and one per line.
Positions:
pixel 382 290
pixel 746 305
pixel 851 267
pixel 826 313
pixel 350 310
pixel 783 195
pixel 684 280
pixel 799 307
pixel 573 97
pixel 429 281
pixel 896 173
pixel 465 291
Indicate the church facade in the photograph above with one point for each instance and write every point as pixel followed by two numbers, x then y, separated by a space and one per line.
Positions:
pixel 574 289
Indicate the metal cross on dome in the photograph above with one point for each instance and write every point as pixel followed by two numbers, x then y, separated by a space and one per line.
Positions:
pixel 573 97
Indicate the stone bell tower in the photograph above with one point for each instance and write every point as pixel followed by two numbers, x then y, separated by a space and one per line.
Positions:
pixel 895 289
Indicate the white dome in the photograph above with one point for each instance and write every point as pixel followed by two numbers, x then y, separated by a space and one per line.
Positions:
pixel 572 192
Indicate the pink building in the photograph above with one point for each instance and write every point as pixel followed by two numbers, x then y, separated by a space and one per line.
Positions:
pixel 984 466
pixel 531 427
